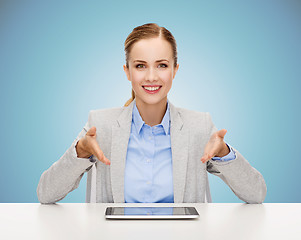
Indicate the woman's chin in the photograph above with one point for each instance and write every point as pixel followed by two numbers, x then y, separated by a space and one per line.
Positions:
pixel 153 100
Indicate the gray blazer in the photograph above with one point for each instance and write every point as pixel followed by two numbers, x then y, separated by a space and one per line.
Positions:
pixel 190 131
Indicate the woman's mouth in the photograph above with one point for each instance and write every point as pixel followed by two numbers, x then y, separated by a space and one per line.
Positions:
pixel 151 88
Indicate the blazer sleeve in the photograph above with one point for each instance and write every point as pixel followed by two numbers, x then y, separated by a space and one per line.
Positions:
pixel 245 181
pixel 64 175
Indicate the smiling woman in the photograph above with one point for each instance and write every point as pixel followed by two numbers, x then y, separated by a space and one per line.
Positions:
pixel 150 150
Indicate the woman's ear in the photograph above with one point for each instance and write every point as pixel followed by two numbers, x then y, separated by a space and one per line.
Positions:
pixel 175 71
pixel 127 72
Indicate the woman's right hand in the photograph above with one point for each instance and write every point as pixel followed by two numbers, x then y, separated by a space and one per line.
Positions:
pixel 88 146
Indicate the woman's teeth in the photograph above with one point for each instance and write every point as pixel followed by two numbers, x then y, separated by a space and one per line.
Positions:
pixel 151 88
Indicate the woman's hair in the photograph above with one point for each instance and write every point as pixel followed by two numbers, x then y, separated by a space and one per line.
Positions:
pixel 147 31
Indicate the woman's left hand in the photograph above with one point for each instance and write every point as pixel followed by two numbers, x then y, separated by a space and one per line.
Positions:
pixel 216 147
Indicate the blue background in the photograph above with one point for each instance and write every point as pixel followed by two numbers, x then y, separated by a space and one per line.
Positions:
pixel 239 60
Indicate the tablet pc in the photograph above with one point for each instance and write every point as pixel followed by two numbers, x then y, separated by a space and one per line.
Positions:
pixel 151 213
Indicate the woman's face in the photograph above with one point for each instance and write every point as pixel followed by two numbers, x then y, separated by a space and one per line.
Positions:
pixel 151 70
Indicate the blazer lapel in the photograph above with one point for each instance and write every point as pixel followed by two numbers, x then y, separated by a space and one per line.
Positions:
pixel 179 147
pixel 121 130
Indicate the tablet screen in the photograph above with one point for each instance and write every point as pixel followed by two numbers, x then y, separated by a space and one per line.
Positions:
pixel 151 212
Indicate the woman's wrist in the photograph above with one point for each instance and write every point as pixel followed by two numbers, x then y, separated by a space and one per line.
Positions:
pixel 224 151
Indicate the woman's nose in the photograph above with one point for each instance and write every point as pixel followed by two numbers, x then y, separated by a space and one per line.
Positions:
pixel 151 74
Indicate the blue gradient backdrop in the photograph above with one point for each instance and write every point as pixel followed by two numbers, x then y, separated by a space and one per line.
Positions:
pixel 239 60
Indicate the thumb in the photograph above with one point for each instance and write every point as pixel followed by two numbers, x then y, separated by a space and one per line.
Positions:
pixel 91 132
pixel 221 133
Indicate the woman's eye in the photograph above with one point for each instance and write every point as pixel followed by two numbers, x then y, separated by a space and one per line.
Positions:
pixel 162 65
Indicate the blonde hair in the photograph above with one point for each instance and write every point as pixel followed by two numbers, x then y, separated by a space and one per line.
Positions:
pixel 146 31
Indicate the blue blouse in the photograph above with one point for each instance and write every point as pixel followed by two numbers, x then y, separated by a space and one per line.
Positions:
pixel 148 174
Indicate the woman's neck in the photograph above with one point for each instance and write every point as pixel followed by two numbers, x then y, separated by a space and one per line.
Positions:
pixel 152 114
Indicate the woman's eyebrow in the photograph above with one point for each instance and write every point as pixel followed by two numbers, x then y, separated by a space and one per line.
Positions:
pixel 161 60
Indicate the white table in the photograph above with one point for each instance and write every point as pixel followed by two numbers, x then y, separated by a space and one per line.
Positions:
pixel 221 221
